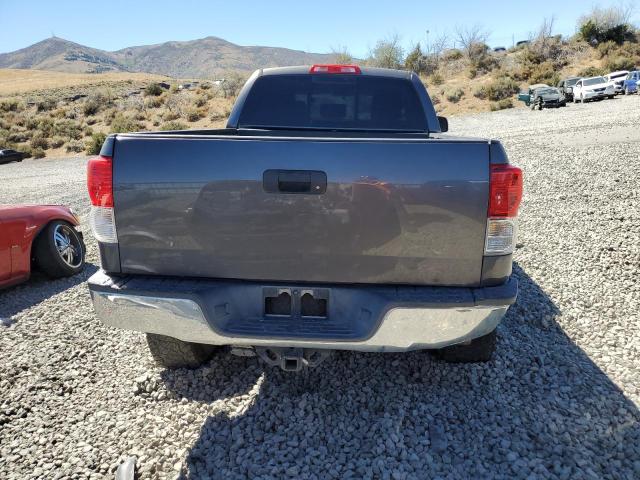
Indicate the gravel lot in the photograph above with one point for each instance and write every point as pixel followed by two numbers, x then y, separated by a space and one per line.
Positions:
pixel 560 400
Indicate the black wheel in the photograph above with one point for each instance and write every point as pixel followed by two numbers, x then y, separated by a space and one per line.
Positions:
pixel 478 350
pixel 59 250
pixel 170 352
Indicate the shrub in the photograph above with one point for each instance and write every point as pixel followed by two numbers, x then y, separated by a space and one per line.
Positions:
pixel 454 95
pixel 95 144
pixel 154 102
pixel 10 105
pixel 25 150
pixel 57 142
pixel 231 85
pixel 173 126
pixel 37 152
pixel 606 48
pixel 501 104
pixel 436 79
pixel 387 53
pixel 497 90
pixel 46 105
pixel 217 115
pixel 67 129
pixel 591 72
pixel 201 101
pixel 606 24
pixel 39 141
pixel 121 124
pixel 45 125
pixel 91 107
pixel 620 63
pixel 153 89
pixel 75 146
pixel 194 114
pixel 452 55
pixel 169 115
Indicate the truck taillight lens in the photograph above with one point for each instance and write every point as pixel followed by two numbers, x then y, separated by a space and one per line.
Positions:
pixel 100 186
pixel 505 190
pixel 505 194
pixel 335 69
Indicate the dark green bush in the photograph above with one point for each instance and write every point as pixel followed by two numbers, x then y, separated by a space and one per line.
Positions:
pixel 95 144
pixel 57 142
pixel 153 90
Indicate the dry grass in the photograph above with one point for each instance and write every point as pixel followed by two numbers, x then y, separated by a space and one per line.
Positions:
pixel 16 82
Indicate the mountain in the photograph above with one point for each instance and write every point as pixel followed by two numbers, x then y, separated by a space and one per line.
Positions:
pixel 206 57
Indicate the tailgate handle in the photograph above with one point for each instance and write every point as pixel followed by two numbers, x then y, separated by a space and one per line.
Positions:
pixel 310 182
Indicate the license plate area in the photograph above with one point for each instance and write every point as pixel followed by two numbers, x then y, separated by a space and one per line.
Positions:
pixel 296 302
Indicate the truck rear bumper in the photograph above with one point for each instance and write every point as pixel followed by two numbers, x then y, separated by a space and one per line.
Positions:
pixel 375 318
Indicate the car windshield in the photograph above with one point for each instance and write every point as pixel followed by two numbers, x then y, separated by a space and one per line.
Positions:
pixel 594 81
pixel 340 102
pixel 542 91
pixel 571 82
pixel 617 76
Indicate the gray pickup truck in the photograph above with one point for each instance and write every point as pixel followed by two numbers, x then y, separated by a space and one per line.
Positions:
pixel 331 213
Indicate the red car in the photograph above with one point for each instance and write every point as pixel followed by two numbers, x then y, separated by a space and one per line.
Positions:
pixel 44 235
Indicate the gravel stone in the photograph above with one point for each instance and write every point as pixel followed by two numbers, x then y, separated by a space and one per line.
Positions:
pixel 560 399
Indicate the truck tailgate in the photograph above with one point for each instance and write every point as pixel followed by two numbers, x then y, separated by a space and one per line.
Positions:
pixel 257 208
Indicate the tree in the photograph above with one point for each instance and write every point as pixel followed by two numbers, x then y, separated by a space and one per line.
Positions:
pixel 341 56
pixel 387 53
pixel 472 40
pixel 606 24
pixel 416 61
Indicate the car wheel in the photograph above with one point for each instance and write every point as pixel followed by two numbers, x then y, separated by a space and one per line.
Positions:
pixel 478 350
pixel 59 250
pixel 170 352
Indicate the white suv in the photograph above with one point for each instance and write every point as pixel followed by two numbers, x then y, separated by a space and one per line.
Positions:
pixel 617 79
pixel 593 88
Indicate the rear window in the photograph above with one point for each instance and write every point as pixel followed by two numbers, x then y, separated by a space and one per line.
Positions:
pixel 333 102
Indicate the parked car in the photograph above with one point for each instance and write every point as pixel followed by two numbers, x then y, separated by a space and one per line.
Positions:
pixel 46 236
pixel 289 233
pixel 617 79
pixel 630 84
pixel 7 156
pixel 593 88
pixel 566 87
pixel 527 95
pixel 547 97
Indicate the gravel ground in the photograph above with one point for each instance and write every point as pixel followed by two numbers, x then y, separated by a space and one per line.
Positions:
pixel 560 400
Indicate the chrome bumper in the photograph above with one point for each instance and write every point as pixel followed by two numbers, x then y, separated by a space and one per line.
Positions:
pixel 401 329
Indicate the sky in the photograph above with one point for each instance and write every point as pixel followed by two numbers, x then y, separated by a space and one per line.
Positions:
pixel 314 26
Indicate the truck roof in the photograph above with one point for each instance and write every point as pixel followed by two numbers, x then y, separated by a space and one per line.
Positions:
pixel 305 69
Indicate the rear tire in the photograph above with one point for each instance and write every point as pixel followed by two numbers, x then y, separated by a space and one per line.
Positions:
pixel 50 252
pixel 170 352
pixel 478 350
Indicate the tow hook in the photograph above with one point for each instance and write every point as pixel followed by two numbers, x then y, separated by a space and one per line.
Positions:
pixel 291 359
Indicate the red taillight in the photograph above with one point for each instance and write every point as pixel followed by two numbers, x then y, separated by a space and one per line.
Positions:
pixel 505 190
pixel 335 69
pixel 100 181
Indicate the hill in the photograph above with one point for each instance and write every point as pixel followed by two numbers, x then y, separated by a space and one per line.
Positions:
pixel 206 57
